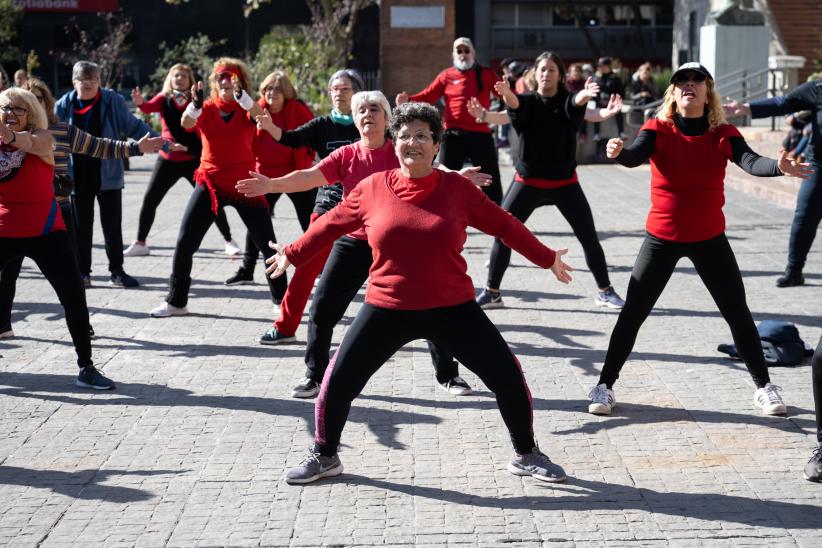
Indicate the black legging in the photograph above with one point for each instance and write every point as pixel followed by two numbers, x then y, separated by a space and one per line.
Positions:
pixel 303 205
pixel 521 200
pixel 11 271
pixel 377 333
pixel 458 146
pixel 55 258
pixel 716 265
pixel 111 217
pixel 816 378
pixel 806 218
pixel 344 273
pixel 166 173
pixel 196 221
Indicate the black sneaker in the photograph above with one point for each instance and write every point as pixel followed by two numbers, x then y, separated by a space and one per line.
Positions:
pixel 813 470
pixel 488 299
pixel 89 377
pixel 791 278
pixel 86 281
pixel 272 337
pixel 307 388
pixel 91 331
pixel 121 279
pixel 242 277
pixel 538 465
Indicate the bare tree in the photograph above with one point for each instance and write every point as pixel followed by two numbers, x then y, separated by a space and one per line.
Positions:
pixel 108 51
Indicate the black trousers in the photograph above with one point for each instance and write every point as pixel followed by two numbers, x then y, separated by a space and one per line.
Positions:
pixel 377 333
pixel 165 175
pixel 11 271
pixel 521 200
pixel 111 218
pixel 806 218
pixel 480 150
pixel 816 377
pixel 303 205
pixel 197 219
pixel 344 273
pixel 55 258
pixel 716 265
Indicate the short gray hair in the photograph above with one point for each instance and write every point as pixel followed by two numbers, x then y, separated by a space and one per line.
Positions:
pixel 371 98
pixel 85 70
pixel 410 112
pixel 351 75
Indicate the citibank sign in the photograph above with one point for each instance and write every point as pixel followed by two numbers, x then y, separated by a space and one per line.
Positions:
pixel 68 5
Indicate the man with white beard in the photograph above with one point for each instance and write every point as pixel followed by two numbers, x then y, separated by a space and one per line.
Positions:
pixel 465 137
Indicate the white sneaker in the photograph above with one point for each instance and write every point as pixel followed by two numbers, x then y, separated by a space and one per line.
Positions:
pixel 166 310
pixel 137 249
pixel 602 400
pixel 769 400
pixel 232 249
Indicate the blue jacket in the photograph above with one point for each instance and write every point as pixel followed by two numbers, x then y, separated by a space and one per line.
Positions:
pixel 116 121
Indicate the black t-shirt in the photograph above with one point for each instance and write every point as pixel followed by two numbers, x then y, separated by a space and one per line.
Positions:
pixel 547 128
pixel 808 96
pixel 87 170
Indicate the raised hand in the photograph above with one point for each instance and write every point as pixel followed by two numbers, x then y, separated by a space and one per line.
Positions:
pixel 502 87
pixel 614 105
pixel 591 88
pixel 264 122
pixel 257 185
pixel 198 94
pixel 473 174
pixel 791 167
pixel 148 144
pixel 401 98
pixel 474 107
pixel 137 96
pixel 278 263
pixel 614 147
pixel 561 269
pixel 735 108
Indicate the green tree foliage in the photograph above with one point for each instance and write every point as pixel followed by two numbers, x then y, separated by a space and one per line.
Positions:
pixel 9 16
pixel 194 51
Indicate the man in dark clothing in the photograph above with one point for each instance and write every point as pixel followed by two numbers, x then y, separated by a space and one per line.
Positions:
pixel 609 84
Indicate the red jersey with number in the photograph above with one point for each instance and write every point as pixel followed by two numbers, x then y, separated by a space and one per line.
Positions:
pixel 27 204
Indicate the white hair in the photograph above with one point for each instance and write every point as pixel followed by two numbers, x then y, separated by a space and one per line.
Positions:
pixel 371 98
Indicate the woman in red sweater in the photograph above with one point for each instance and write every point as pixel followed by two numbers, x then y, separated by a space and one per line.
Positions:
pixel 689 145
pixel 411 216
pixel 279 102
pixel 227 128
pixel 174 163
pixel 31 224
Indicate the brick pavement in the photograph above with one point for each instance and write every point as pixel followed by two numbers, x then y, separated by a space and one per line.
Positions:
pixel 190 449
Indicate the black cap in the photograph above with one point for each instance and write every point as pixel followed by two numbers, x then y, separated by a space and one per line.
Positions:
pixel 694 66
pixel 604 61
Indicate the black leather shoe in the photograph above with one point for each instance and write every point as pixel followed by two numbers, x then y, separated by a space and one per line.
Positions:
pixel 792 277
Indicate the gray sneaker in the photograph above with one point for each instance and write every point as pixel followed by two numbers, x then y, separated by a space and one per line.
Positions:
pixel 813 470
pixel 538 465
pixel 314 467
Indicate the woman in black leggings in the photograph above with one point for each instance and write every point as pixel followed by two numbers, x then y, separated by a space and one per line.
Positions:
pixel 173 164
pixel 689 145
pixel 415 219
pixel 547 121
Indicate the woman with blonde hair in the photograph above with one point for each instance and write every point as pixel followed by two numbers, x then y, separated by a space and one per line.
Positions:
pixel 31 223
pixel 227 127
pixel 174 163
pixel 689 144
pixel 278 99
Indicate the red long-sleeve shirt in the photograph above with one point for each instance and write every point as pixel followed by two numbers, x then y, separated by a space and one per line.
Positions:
pixel 417 237
pixel 458 87
pixel 274 159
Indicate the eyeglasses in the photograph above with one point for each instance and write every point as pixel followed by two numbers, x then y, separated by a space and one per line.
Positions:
pixel 463 50
pixel 10 109
pixel 685 77
pixel 272 89
pixel 343 89
pixel 421 137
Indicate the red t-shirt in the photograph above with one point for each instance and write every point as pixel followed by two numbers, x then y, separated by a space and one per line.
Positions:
pixel 155 104
pixel 27 204
pixel 688 181
pixel 417 238
pixel 227 155
pixel 458 87
pixel 274 159
pixel 353 163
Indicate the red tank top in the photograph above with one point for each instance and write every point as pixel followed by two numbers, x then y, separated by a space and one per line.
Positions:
pixel 27 204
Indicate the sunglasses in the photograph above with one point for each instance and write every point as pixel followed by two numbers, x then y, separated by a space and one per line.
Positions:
pixel 225 75
pixel 463 50
pixel 696 77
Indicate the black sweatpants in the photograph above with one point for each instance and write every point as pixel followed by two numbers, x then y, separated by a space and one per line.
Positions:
pixel 344 273
pixel 55 258
pixel 111 218
pixel 303 205
pixel 11 271
pixel 458 146
pixel 165 175
pixel 716 265
pixel 377 333
pixel 197 219
pixel 521 200
pixel 816 378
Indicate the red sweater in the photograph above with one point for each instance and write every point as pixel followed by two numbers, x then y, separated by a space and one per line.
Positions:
pixel 458 87
pixel 688 182
pixel 274 159
pixel 27 204
pixel 417 239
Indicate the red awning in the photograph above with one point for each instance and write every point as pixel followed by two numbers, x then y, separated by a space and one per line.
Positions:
pixel 68 5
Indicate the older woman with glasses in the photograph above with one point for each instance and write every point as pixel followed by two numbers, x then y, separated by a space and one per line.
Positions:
pixel 31 223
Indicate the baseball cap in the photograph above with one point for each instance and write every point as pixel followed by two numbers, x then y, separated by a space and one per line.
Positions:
pixel 694 66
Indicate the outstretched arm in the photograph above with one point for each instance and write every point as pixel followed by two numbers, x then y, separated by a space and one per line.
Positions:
pixel 762 166
pixel 296 181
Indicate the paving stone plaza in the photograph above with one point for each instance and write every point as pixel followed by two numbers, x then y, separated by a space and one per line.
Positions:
pixel 190 449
